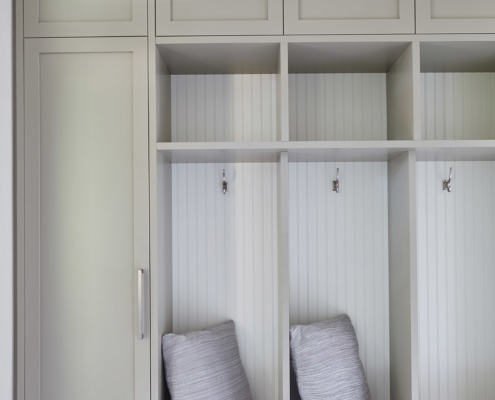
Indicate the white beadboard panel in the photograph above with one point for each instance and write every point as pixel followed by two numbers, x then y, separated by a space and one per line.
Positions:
pixel 458 105
pixel 225 257
pixel 339 255
pixel 234 107
pixel 456 280
pixel 347 106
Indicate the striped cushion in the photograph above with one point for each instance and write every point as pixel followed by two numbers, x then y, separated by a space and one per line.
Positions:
pixel 205 365
pixel 325 357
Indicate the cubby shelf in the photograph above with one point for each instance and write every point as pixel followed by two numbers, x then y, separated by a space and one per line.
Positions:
pixel 318 151
pixel 445 150
pixel 221 151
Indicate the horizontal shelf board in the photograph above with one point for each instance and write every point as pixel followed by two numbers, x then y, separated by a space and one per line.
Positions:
pixel 341 154
pixel 208 152
pixel 325 39
pixel 371 150
pixel 455 150
pixel 377 150
pixel 220 58
pixel 305 39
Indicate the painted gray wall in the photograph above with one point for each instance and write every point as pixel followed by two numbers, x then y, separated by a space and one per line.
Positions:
pixel 6 201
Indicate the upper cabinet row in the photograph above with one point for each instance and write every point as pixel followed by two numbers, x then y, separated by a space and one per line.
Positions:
pixel 62 18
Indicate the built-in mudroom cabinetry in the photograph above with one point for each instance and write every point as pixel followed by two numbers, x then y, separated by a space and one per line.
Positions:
pixel 270 162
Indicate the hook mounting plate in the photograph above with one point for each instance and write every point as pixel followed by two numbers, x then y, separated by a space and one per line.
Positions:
pixel 225 184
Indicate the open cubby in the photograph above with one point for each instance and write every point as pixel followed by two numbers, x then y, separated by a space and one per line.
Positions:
pixel 218 92
pixel 221 258
pixel 456 278
pixel 458 90
pixel 350 91
pixel 338 255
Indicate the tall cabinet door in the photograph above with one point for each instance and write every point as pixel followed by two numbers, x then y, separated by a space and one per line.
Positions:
pixel 85 294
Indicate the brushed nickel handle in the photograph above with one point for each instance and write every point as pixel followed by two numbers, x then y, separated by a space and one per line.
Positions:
pixel 140 330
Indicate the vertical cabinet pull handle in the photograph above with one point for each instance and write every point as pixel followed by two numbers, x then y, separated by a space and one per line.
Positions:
pixel 140 319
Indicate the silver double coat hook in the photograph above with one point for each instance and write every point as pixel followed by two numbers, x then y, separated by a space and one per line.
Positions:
pixel 446 183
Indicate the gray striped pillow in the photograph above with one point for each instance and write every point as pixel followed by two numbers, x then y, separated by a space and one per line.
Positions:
pixel 325 357
pixel 205 365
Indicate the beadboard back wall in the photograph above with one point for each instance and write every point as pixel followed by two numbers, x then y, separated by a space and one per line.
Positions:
pixel 339 255
pixel 209 108
pixel 225 259
pixel 338 106
pixel 458 105
pixel 456 276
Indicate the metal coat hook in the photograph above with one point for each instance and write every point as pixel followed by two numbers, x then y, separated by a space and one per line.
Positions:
pixel 446 183
pixel 224 183
pixel 336 185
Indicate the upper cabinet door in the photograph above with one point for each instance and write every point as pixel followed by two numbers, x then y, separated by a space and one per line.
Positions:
pixel 455 16
pixel 348 16
pixel 72 18
pixel 85 302
pixel 219 17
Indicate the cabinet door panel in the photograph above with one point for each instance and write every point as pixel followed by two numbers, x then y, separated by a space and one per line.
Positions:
pixel 86 219
pixel 64 18
pixel 458 16
pixel 349 17
pixel 218 17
